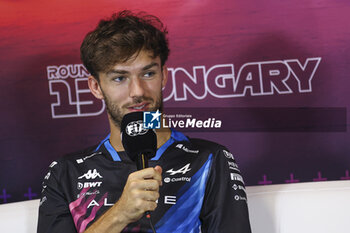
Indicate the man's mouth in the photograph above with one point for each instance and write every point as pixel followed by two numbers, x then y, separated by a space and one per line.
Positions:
pixel 139 107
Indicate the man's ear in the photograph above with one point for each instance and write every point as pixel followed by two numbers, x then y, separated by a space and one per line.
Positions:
pixel 165 75
pixel 95 88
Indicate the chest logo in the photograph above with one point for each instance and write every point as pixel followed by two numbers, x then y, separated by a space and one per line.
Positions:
pixel 91 174
pixel 182 170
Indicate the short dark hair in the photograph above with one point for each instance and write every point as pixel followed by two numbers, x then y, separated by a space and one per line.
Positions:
pixel 117 38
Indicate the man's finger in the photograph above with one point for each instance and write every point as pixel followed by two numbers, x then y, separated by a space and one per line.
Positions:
pixel 159 169
pixel 145 184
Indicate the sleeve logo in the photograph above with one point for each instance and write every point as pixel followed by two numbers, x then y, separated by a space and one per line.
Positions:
pixel 228 155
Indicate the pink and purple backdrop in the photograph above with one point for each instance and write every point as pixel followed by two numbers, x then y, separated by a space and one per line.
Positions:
pixel 265 55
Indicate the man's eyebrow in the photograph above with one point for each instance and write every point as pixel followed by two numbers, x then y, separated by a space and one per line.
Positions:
pixel 111 72
pixel 150 66
pixel 117 72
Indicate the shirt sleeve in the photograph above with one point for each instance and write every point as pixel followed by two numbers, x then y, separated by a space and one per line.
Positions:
pixel 54 214
pixel 225 207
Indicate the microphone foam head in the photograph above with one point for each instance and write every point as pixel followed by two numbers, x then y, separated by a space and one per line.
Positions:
pixel 136 139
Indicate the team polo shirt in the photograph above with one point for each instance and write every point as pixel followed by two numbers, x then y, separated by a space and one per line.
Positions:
pixel 202 191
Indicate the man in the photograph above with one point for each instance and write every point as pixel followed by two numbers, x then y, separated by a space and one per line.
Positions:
pixel 192 185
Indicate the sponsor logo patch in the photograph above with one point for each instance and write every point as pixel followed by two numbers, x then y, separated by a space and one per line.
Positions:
pixel 240 198
pixel 88 185
pixel 182 170
pixel 181 146
pixel 237 177
pixel 87 157
pixel 228 155
pixel 233 166
pixel 91 174
pixel 47 176
pixel 238 187
pixel 88 193
pixel 178 179
pixel 53 164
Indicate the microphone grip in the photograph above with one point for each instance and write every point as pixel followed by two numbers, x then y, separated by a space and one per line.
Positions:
pixel 142 162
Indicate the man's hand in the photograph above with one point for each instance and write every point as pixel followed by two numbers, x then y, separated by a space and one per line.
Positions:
pixel 140 194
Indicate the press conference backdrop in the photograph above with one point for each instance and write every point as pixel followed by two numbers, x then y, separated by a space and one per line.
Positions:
pixel 268 78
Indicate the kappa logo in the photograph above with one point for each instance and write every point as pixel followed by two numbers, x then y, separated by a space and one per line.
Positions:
pixel 91 174
pixel 182 170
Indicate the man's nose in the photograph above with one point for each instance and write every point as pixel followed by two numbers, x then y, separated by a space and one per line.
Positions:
pixel 136 88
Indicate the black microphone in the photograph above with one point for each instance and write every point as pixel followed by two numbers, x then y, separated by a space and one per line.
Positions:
pixel 140 144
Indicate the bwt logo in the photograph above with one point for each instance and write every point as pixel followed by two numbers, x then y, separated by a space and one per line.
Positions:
pixel 72 98
pixel 151 120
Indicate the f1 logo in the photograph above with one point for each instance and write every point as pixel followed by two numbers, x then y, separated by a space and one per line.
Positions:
pixel 151 120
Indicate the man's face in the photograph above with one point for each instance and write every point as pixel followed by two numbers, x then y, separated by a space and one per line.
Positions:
pixel 135 85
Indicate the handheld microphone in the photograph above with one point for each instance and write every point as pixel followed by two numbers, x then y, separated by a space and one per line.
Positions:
pixel 140 144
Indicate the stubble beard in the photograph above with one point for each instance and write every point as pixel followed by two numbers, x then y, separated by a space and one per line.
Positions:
pixel 115 112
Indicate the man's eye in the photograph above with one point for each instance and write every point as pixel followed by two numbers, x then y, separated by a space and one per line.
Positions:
pixel 149 74
pixel 119 79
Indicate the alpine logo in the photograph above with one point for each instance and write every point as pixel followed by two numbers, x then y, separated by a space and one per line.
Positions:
pixel 91 174
pixel 182 170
